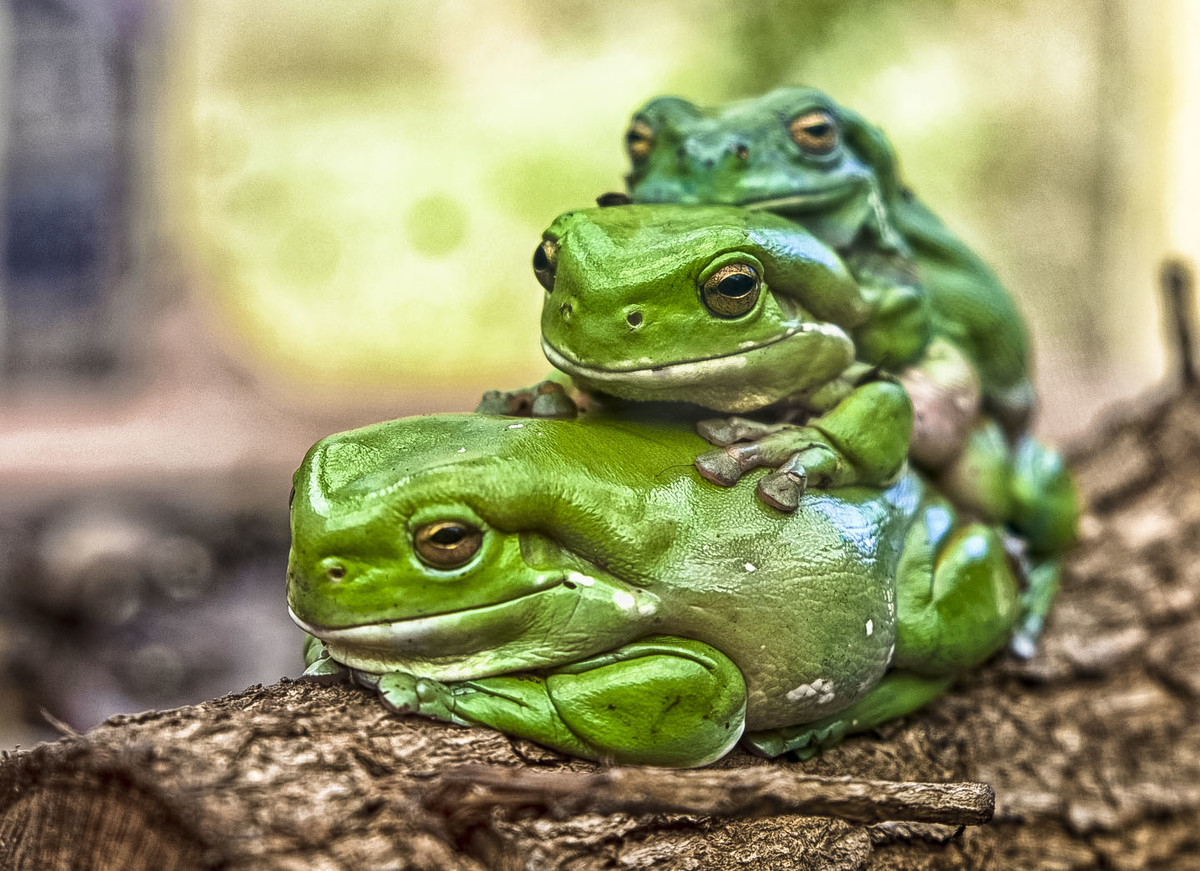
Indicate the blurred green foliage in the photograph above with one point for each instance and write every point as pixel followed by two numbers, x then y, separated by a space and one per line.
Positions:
pixel 371 177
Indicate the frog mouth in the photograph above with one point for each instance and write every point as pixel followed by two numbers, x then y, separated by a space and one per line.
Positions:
pixel 410 632
pixel 682 372
pixel 803 200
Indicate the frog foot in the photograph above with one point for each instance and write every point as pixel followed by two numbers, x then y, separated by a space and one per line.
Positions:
pixel 408 694
pixel 546 399
pixel 796 454
pixel 802 742
pixel 319 666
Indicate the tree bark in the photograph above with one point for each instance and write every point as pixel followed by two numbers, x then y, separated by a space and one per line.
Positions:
pixel 1092 748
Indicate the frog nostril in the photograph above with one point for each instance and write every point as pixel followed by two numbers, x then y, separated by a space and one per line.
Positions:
pixel 634 318
pixel 335 572
pixel 742 152
pixel 565 311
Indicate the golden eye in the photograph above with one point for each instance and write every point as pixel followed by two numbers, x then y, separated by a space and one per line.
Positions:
pixel 816 131
pixel 731 291
pixel 447 544
pixel 545 262
pixel 639 140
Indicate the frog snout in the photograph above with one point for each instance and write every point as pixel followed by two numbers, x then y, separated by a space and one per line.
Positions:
pixel 706 155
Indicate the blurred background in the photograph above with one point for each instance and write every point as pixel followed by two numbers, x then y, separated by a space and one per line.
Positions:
pixel 229 228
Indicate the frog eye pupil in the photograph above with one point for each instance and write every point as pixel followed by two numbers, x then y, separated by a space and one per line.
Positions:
pixel 736 285
pixel 448 535
pixel 816 132
pixel 545 262
pixel 732 291
pixel 639 140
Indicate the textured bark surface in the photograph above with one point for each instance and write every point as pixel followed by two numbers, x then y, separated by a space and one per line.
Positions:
pixel 1093 749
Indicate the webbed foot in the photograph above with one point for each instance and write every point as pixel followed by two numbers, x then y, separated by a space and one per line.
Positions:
pixel 803 742
pixel 546 399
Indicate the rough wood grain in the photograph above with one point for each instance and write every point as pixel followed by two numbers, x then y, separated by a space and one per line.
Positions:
pixel 1093 748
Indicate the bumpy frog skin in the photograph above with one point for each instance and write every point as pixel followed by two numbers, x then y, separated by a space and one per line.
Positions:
pixel 798 153
pixel 578 584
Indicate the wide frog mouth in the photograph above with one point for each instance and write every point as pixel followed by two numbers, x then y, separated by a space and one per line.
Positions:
pixel 679 371
pixel 385 634
pixel 804 199
pixel 575 616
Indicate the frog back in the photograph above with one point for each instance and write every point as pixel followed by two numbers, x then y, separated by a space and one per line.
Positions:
pixel 804 603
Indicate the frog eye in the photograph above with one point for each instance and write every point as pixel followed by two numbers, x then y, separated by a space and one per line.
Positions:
pixel 816 132
pixel 447 544
pixel 545 262
pixel 639 140
pixel 731 291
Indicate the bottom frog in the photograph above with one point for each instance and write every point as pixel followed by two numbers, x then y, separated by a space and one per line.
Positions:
pixel 578 584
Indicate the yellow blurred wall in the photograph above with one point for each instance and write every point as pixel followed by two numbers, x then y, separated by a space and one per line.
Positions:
pixel 365 180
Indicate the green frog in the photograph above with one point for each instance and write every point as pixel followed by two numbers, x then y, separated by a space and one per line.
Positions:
pixel 578 584
pixel 743 311
pixel 796 152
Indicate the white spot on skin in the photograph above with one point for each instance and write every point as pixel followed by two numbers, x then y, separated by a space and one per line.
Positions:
pixel 461 451
pixel 750 567
pixel 870 628
pixel 822 689
pixel 622 599
pixel 516 426
pixel 581 579
pixel 646 609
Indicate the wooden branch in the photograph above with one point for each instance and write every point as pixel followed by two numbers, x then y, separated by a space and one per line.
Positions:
pixel 1092 748
pixel 1178 284
pixel 473 792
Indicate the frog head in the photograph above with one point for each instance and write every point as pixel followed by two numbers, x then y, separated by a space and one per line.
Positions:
pixel 713 305
pixel 793 151
pixel 448 547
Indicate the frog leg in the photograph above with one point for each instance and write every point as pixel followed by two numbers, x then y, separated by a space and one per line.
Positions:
pixel 660 701
pixel 957 601
pixel 318 665
pixel 861 440
pixel 899 693
pixel 958 597
pixel 548 399
pixel 1043 580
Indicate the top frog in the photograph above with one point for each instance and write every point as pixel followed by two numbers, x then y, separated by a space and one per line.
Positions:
pixel 797 153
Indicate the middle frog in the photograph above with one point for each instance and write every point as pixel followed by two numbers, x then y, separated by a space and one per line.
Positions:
pixel 735 311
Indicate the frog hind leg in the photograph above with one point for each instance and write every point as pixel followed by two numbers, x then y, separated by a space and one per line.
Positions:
pixel 899 693
pixel 664 701
pixel 957 601
pixel 1045 509
pixel 958 597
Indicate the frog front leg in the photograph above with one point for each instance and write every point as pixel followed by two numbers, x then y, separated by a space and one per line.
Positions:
pixel 660 701
pixel 861 440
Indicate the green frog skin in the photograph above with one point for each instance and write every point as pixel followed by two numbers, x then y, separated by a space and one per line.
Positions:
pixel 798 153
pixel 723 308
pixel 578 584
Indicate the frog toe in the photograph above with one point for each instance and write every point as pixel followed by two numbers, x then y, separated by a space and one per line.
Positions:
pixel 782 490
pixel 554 405
pixel 725 431
pixel 719 467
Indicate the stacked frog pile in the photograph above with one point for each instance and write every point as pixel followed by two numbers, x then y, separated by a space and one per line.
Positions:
pixel 576 564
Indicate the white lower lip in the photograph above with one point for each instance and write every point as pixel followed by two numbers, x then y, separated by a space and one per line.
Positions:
pixel 681 372
pixel 402 632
